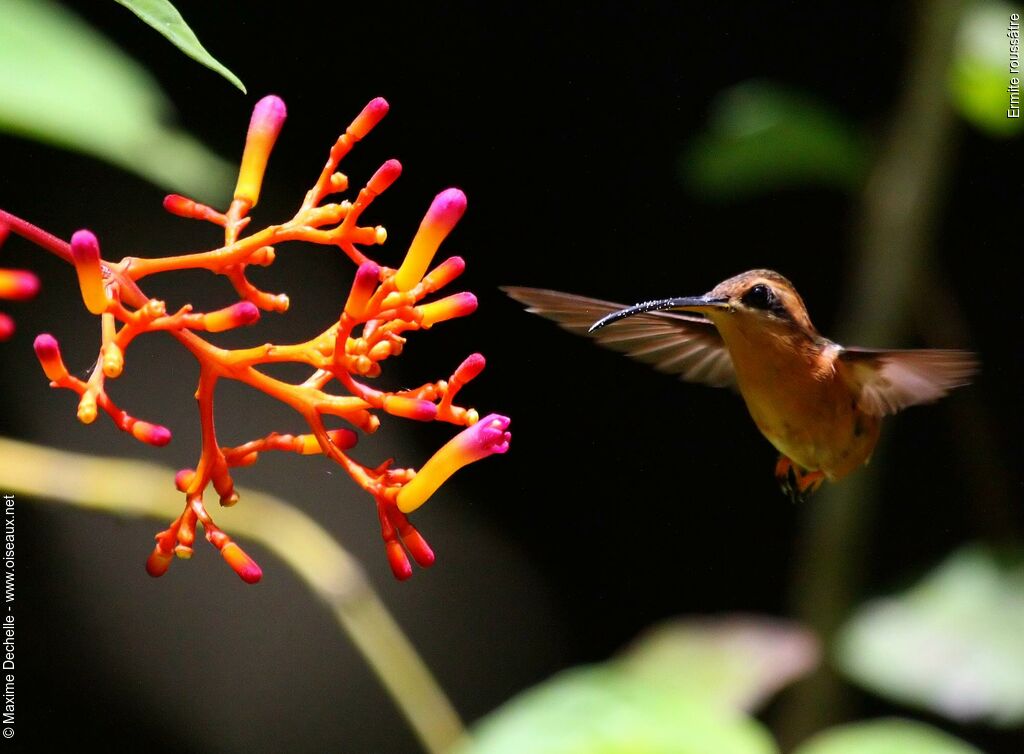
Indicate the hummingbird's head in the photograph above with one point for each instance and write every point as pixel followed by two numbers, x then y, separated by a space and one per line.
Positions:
pixel 761 297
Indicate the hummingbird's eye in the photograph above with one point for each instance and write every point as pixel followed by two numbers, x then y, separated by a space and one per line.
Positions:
pixel 760 297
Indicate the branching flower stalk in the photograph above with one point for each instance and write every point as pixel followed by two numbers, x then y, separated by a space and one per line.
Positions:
pixel 383 306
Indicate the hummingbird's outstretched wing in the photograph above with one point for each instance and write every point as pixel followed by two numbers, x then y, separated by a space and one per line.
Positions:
pixel 682 344
pixel 889 381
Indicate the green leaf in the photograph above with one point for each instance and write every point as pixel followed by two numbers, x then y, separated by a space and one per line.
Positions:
pixel 736 663
pixel 65 84
pixel 979 75
pixel 952 644
pixel 885 737
pixel 679 690
pixel 164 17
pixel 761 137
pixel 598 710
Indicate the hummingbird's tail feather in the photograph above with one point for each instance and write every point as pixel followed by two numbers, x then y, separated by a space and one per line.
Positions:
pixel 797 484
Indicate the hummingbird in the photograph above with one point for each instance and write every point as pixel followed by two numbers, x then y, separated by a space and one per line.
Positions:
pixel 819 403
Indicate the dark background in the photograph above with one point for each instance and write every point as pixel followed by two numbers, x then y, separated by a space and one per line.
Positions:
pixel 626 498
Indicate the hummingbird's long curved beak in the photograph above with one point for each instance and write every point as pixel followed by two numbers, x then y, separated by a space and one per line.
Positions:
pixel 697 304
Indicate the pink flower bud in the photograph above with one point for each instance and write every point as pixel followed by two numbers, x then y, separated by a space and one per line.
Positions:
pixel 371 115
pixel 6 327
pixel 365 283
pixel 18 285
pixel 487 436
pixel 450 307
pixel 444 273
pixel 85 251
pixel 241 563
pixel 470 368
pixel 48 353
pixel 445 211
pixel 267 118
pixel 237 315
pixel 386 175
pixel 151 434
pixel 410 408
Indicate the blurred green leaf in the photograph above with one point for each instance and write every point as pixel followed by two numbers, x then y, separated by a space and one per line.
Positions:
pixel 61 82
pixel 679 690
pixel 980 73
pixel 736 663
pixel 599 710
pixel 761 137
pixel 953 644
pixel 164 17
pixel 885 737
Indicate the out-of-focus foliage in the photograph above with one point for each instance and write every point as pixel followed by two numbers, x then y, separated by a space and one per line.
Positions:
pixel 737 663
pixel 953 644
pixel 885 737
pixel 164 17
pixel 678 691
pixel 63 83
pixel 762 136
pixel 980 73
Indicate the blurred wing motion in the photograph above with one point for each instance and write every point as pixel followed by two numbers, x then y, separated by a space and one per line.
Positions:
pixel 889 381
pixel 687 345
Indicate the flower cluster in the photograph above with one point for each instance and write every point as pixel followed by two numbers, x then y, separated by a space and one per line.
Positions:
pixel 383 306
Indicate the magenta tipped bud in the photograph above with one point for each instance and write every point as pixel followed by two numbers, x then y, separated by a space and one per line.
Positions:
pixel 470 368
pixel 18 285
pixel 363 286
pixel 445 211
pixel 410 408
pixel 151 434
pixel 85 252
pixel 444 273
pixel 267 119
pixel 450 307
pixel 386 175
pixel 48 353
pixel 241 563
pixel 237 315
pixel 371 115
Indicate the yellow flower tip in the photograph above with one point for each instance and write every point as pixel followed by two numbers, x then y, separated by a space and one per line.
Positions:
pixel 85 251
pixel 18 285
pixel 159 561
pixel 450 307
pixel 48 353
pixel 183 551
pixel 445 211
pixel 237 315
pixel 151 434
pixel 267 118
pixel 87 408
pixel 113 360
pixel 371 115
pixel 487 436
pixel 241 563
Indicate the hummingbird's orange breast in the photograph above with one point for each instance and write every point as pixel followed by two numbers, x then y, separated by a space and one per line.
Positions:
pixel 797 396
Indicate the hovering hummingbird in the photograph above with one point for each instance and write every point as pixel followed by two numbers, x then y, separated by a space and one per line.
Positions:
pixel 819 403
